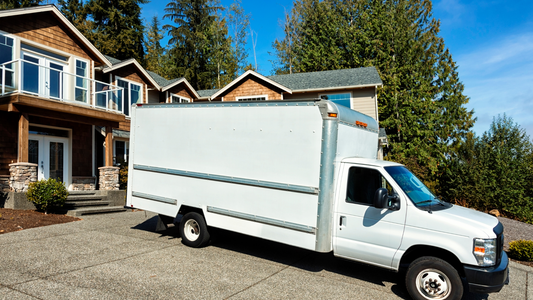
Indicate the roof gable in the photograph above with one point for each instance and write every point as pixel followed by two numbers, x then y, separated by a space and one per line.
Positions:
pixel 241 79
pixel 54 11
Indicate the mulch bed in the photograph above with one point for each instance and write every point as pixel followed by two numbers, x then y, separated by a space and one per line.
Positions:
pixel 15 220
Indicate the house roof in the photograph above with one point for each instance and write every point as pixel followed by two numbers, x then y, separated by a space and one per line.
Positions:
pixel 127 62
pixel 329 80
pixel 54 10
pixel 250 73
pixel 207 93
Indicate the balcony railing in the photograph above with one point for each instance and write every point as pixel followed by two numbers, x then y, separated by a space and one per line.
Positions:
pixel 20 76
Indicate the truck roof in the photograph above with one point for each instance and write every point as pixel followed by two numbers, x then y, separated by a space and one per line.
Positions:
pixel 372 162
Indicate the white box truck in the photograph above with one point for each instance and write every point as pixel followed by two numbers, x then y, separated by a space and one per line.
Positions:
pixel 305 173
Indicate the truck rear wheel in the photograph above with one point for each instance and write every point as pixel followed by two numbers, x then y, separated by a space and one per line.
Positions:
pixel 433 278
pixel 193 230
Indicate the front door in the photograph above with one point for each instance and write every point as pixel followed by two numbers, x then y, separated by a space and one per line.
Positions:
pixel 363 232
pixel 50 153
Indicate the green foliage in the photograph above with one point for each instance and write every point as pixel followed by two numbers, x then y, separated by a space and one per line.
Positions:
pixel 521 250
pixel 154 51
pixel 494 171
pixel 9 4
pixel 421 105
pixel 123 177
pixel 46 194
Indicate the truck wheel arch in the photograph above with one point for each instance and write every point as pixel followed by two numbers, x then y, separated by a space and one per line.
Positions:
pixel 184 209
pixel 418 251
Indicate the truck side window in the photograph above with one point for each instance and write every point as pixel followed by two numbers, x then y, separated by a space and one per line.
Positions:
pixel 363 183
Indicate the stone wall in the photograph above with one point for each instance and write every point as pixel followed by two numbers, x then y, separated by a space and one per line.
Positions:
pixel 80 183
pixel 109 178
pixel 21 174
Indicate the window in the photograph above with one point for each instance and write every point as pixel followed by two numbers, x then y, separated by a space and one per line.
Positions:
pixel 179 99
pixel 81 81
pixel 6 55
pixel 341 99
pixel 362 185
pixel 121 152
pixel 132 94
pixel 253 98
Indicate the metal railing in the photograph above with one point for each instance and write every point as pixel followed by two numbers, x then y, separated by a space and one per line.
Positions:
pixel 21 76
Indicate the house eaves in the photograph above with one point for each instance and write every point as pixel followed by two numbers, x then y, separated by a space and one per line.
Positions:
pixel 255 74
pixel 133 61
pixel 336 88
pixel 53 9
pixel 178 81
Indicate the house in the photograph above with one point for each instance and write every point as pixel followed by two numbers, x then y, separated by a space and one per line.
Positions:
pixel 64 106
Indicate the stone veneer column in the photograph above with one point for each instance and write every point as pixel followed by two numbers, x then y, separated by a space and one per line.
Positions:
pixel 21 174
pixel 109 178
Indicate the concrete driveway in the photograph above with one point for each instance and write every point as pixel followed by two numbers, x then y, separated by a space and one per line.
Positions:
pixel 119 256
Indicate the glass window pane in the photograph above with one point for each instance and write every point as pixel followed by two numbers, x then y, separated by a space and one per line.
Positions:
pixel 6 53
pixel 135 93
pixel 341 99
pixel 30 75
pixel 56 161
pixel 55 80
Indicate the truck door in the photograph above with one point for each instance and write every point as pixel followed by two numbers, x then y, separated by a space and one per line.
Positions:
pixel 363 232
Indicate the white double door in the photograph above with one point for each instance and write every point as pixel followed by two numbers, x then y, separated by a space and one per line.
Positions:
pixel 42 76
pixel 50 153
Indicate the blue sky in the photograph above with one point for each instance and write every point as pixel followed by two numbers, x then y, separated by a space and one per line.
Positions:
pixel 491 42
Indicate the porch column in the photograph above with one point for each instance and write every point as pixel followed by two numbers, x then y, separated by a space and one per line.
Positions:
pixel 108 146
pixel 24 127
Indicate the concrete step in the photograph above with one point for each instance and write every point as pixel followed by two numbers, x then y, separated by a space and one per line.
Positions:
pixel 95 210
pixel 85 197
pixel 82 192
pixel 78 203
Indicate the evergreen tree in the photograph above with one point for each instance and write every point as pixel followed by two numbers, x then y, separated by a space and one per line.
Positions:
pixel 421 104
pixel 10 4
pixel 154 51
pixel 117 30
pixel 190 41
pixel 238 27
pixel 75 12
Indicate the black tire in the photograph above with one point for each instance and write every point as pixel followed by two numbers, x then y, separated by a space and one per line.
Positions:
pixel 193 230
pixel 433 278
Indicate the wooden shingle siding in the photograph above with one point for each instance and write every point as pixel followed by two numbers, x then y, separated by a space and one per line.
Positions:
pixel 180 90
pixel 45 29
pixel 81 143
pixel 8 140
pixel 124 125
pixel 250 87
pixel 131 73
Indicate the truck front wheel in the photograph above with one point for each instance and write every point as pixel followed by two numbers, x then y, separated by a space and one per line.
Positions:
pixel 433 278
pixel 193 230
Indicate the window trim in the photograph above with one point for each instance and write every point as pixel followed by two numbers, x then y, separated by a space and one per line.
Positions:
pixel 181 98
pixel 244 98
pixel 130 82
pixel 339 93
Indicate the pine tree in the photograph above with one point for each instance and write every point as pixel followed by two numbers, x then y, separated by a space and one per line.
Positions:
pixel 154 51
pixel 118 30
pixel 421 104
pixel 10 4
pixel 75 12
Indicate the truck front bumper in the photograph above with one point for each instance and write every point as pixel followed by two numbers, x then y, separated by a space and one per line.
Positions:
pixel 488 280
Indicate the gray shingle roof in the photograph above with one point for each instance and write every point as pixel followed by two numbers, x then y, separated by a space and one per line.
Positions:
pixel 329 79
pixel 112 60
pixel 207 93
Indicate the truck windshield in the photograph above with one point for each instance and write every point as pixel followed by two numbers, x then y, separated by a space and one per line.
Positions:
pixel 415 189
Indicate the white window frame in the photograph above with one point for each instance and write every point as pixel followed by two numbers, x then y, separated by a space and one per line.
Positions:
pixel 181 99
pixel 86 78
pixel 130 82
pixel 12 69
pixel 250 98
pixel 347 92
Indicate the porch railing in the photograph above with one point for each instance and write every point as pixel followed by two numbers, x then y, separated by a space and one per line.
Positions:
pixel 53 83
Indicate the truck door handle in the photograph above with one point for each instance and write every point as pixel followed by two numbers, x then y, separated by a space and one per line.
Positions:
pixel 342 221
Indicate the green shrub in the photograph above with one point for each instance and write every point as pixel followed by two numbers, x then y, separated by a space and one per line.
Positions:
pixel 521 250
pixel 123 177
pixel 46 194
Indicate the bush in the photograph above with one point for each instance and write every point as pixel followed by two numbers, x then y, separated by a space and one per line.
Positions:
pixel 123 177
pixel 521 250
pixel 46 194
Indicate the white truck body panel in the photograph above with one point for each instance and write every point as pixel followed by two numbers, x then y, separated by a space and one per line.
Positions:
pixel 227 147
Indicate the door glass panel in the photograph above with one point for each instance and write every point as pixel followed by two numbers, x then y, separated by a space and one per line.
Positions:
pixel 125 85
pixel 56 160
pixel 55 83
pixel 81 82
pixel 30 79
pixel 33 153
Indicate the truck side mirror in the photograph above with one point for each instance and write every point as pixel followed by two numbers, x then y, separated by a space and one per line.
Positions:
pixel 381 198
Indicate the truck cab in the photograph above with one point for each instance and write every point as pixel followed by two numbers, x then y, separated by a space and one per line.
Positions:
pixel 385 216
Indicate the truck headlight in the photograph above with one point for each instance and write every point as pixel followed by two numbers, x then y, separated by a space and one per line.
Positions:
pixel 485 252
